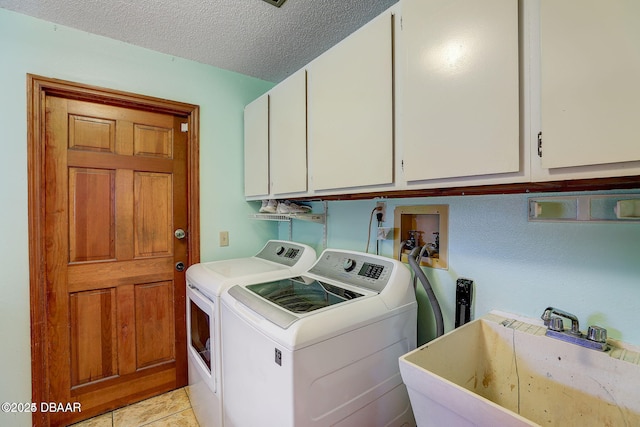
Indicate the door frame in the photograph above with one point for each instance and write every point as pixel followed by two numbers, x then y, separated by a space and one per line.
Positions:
pixel 38 88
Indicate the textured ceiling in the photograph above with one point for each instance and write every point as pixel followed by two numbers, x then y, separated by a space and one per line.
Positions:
pixel 251 37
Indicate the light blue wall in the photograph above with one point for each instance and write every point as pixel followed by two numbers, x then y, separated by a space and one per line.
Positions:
pixel 33 46
pixel 589 269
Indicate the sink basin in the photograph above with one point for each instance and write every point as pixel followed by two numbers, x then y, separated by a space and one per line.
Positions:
pixel 501 370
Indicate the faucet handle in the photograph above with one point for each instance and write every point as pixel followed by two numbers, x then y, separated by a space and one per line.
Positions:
pixel 556 323
pixel 597 334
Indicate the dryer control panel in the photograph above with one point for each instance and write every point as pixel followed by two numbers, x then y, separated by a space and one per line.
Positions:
pixel 354 268
pixel 283 252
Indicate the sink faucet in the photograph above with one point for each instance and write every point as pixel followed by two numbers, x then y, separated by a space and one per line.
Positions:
pixel 596 337
pixel 548 315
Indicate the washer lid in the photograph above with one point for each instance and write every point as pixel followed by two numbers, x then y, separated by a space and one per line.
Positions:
pixel 283 301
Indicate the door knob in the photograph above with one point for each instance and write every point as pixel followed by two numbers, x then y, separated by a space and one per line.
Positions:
pixel 180 234
pixel 180 266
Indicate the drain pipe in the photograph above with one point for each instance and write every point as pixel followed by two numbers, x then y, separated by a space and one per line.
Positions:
pixel 435 306
pixel 414 280
pixel 404 242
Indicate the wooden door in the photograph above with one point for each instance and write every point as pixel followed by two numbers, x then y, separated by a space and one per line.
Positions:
pixel 115 189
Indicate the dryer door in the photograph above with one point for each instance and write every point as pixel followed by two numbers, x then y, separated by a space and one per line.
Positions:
pixel 200 331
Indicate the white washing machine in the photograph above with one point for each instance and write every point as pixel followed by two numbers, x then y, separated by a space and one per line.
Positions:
pixel 205 283
pixel 321 349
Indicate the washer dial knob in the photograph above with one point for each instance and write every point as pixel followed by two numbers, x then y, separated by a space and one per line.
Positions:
pixel 279 250
pixel 349 264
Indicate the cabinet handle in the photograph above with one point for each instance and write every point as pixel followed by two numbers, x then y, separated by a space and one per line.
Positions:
pixel 539 144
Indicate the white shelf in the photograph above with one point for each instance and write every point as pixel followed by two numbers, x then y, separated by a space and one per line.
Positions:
pixel 318 218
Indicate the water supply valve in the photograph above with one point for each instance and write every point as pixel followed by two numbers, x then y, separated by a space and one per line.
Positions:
pixel 412 242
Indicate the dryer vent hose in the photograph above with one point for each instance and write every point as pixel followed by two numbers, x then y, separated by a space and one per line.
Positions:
pixel 435 306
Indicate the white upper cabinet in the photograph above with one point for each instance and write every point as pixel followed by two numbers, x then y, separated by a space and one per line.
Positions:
pixel 459 82
pixel 350 110
pixel 442 93
pixel 256 148
pixel 590 87
pixel 288 135
pixel 275 140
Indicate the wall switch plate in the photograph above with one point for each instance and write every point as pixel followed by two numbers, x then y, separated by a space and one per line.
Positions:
pixel 224 238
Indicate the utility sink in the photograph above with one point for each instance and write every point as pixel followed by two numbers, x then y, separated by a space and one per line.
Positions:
pixel 501 370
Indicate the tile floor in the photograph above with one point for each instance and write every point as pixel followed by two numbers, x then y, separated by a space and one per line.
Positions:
pixel 172 409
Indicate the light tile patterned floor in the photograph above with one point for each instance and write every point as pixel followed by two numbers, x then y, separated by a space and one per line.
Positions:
pixel 167 410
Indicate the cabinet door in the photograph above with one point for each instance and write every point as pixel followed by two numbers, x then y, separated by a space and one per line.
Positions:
pixel 459 113
pixel 256 147
pixel 590 100
pixel 351 110
pixel 288 135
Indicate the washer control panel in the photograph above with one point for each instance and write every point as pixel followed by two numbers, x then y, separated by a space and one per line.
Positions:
pixel 372 271
pixel 358 269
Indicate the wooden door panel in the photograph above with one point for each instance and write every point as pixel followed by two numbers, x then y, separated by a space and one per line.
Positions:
pixel 152 141
pixel 153 212
pixel 91 214
pixel 93 336
pixel 93 134
pixel 155 323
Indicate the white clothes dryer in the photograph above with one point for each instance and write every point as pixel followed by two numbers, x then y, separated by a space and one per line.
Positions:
pixel 278 259
pixel 321 349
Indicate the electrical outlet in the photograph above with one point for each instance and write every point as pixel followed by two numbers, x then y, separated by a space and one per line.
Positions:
pixel 381 208
pixel 224 238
